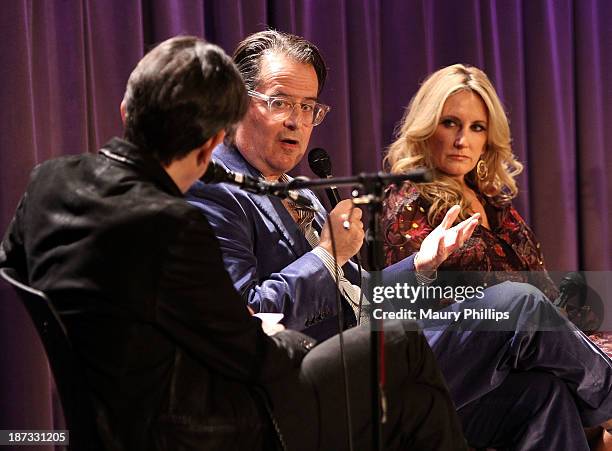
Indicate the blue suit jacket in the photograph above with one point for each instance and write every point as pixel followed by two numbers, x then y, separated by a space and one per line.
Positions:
pixel 267 256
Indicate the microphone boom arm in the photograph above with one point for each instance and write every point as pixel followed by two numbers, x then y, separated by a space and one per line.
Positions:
pixel 364 180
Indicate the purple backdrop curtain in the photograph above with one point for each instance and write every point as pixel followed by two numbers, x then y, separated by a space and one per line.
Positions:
pixel 64 65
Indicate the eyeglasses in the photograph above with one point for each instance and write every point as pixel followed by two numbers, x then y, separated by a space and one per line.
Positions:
pixel 311 113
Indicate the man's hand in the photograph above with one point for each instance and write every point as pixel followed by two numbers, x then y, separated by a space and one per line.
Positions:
pixel 444 240
pixel 348 240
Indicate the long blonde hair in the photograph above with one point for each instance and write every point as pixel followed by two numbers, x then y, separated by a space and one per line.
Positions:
pixel 411 148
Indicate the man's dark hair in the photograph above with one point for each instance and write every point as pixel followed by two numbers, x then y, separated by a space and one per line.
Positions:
pixel 181 94
pixel 249 53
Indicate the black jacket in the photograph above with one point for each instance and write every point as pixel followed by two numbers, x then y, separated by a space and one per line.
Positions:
pixel 171 354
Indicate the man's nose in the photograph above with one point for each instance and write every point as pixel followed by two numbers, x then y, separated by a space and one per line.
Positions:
pixel 295 119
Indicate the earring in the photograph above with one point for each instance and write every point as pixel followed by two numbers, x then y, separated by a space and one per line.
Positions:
pixel 481 170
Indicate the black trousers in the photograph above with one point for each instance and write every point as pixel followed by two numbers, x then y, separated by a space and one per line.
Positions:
pixel 420 413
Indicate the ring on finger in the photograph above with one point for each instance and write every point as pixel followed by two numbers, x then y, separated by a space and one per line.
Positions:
pixel 346 224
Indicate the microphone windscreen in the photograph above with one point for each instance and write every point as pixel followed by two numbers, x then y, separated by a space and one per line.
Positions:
pixel 319 162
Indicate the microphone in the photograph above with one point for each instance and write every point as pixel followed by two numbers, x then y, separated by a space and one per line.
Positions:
pixel 320 164
pixel 215 173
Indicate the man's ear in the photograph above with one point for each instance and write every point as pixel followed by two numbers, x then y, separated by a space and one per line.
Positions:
pixel 218 138
pixel 123 111
pixel 205 151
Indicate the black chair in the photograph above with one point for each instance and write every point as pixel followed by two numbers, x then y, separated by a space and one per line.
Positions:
pixel 68 374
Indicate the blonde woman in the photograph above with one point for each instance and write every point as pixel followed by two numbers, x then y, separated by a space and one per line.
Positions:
pixel 456 126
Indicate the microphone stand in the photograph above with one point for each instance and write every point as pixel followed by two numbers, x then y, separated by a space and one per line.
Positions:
pixel 374 240
pixel 373 186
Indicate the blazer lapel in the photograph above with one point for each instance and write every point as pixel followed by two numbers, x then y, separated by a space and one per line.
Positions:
pixel 276 212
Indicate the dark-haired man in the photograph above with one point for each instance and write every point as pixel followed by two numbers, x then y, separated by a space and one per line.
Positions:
pixel 172 357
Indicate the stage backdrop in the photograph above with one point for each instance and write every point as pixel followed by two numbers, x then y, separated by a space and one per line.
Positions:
pixel 64 65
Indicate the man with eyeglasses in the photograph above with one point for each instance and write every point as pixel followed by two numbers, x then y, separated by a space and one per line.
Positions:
pixel 265 241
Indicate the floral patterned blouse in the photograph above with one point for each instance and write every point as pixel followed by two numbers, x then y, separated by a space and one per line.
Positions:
pixel 508 251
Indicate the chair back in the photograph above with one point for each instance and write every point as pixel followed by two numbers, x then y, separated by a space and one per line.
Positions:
pixel 67 372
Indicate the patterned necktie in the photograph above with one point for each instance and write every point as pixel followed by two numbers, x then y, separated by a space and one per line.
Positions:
pixel 302 214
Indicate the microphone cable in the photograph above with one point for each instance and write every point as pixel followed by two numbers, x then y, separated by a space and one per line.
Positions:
pixel 320 164
pixel 345 378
